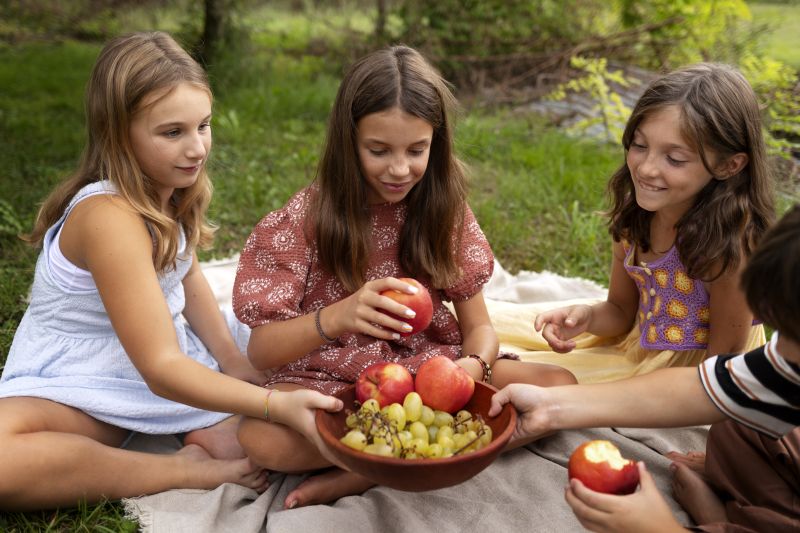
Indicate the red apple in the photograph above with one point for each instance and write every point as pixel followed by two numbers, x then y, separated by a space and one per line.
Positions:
pixel 443 385
pixel 386 382
pixel 420 303
pixel 600 466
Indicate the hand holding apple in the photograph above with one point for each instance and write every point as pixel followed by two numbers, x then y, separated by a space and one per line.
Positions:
pixel 599 465
pixel 385 381
pixel 419 302
pixel 443 385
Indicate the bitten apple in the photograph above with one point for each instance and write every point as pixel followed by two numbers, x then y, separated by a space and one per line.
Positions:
pixel 443 385
pixel 599 465
pixel 420 303
pixel 387 382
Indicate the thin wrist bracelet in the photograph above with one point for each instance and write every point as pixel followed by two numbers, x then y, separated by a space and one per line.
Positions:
pixel 266 405
pixel 487 369
pixel 319 327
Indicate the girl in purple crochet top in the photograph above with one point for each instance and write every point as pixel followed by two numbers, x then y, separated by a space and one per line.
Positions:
pixel 688 206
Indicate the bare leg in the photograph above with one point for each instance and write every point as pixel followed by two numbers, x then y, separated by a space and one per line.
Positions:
pixel 218 440
pixel 507 371
pixel 697 496
pixel 77 456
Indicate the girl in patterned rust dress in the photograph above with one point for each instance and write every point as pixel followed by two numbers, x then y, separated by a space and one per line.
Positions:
pixel 389 201
pixel 688 206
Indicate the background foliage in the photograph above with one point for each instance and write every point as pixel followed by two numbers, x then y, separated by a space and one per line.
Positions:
pixel 537 189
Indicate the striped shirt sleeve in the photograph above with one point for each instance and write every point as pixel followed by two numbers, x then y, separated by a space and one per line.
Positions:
pixel 760 389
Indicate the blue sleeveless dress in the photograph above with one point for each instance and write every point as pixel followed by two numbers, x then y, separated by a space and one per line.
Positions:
pixel 66 350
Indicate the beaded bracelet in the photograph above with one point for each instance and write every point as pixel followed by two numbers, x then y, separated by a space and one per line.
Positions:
pixel 487 369
pixel 319 327
pixel 266 404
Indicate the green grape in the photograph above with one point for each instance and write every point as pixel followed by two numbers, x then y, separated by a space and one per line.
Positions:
pixel 417 446
pixel 404 436
pixel 460 440
pixel 486 436
pixel 432 431
pixel 351 421
pixel 434 450
pixel 354 439
pixel 413 406
pixel 419 431
pixel 371 406
pixel 427 415
pixel 445 432
pixel 442 418
pixel 447 443
pixel 463 416
pixel 396 415
pixel 384 450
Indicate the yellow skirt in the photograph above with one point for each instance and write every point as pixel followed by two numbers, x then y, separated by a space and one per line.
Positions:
pixel 595 359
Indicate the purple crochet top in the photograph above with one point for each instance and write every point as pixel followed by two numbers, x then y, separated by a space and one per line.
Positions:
pixel 673 308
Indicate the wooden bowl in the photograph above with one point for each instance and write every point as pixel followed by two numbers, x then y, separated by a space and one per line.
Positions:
pixel 417 475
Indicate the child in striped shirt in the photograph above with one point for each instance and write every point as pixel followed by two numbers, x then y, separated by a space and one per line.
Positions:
pixel 749 477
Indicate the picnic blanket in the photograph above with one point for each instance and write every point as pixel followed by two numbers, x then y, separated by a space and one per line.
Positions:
pixel 523 490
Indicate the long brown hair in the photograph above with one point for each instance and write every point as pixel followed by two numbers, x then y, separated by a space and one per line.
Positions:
pixel 129 70
pixel 719 117
pixel 400 77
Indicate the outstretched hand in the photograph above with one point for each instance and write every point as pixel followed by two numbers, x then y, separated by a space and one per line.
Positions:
pixel 644 510
pixel 531 403
pixel 560 325
pixel 298 409
pixel 362 311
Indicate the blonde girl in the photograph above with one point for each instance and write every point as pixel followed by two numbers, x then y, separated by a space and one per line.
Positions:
pixel 123 333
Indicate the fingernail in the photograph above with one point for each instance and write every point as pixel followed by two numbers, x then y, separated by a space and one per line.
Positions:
pixel 292 504
pixel 412 289
pixel 396 336
pixel 410 313
pixel 407 327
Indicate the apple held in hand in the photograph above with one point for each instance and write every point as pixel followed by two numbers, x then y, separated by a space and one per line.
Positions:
pixel 387 382
pixel 420 303
pixel 443 385
pixel 599 465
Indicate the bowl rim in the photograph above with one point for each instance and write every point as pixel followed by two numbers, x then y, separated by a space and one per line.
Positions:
pixel 498 441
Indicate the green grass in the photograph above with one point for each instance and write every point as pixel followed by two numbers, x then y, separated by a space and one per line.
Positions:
pixel 782 42
pixel 536 192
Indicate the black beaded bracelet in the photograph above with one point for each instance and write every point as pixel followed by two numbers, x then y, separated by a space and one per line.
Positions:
pixel 319 327
pixel 487 369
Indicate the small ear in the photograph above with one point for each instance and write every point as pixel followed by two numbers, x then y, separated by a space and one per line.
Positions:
pixel 732 166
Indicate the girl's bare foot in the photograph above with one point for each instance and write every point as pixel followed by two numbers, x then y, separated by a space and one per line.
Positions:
pixel 218 440
pixel 205 472
pixel 327 487
pixel 695 461
pixel 696 496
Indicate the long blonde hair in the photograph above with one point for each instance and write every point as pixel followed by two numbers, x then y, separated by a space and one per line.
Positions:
pixel 128 70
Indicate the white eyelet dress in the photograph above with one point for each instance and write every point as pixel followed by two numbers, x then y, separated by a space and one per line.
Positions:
pixel 66 350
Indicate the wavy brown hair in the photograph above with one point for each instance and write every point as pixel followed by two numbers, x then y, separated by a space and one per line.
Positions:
pixel 397 76
pixel 130 71
pixel 719 118
pixel 771 279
